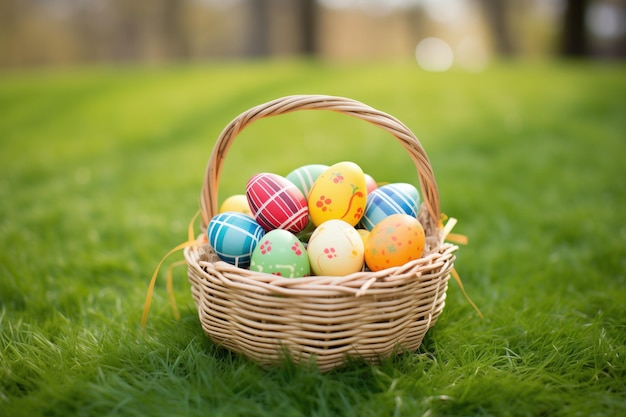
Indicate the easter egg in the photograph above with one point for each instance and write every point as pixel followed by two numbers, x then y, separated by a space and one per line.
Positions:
pixel 305 176
pixel 394 198
pixel 233 237
pixel 370 183
pixel 394 241
pixel 335 249
pixel 237 202
pixel 365 234
pixel 338 193
pixel 276 203
pixel 280 252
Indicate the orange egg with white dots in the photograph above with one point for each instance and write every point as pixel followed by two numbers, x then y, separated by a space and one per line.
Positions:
pixel 394 241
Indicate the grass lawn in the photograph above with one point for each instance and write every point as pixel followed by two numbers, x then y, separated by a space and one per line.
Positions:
pixel 101 173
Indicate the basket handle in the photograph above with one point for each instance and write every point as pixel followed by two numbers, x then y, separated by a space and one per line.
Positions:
pixel 287 104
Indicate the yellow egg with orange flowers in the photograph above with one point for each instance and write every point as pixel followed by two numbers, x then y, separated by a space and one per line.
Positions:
pixel 338 193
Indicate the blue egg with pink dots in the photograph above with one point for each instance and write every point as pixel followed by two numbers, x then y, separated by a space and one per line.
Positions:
pixel 233 237
pixel 394 198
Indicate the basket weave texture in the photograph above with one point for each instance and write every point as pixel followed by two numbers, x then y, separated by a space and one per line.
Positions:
pixel 371 315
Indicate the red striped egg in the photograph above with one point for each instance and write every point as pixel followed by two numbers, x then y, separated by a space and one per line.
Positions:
pixel 277 203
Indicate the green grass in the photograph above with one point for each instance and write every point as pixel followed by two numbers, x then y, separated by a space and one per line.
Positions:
pixel 102 169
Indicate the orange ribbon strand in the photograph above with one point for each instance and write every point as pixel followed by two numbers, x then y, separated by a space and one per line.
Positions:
pixel 191 240
pixel 457 278
pixel 461 240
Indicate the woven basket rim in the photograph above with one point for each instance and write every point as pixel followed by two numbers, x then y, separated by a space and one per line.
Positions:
pixel 357 283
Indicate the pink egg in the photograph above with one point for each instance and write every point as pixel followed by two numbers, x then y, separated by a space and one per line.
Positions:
pixel 370 183
pixel 277 203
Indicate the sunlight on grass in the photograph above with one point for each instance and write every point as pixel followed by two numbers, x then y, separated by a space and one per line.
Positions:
pixel 103 169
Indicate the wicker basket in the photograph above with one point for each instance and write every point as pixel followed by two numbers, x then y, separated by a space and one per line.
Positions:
pixel 370 315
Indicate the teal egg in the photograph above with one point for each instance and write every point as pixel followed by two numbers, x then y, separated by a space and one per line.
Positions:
pixel 233 236
pixel 305 176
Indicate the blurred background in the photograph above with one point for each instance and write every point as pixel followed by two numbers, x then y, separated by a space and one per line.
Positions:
pixel 439 34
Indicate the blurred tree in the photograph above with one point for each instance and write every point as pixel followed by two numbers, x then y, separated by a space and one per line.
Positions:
pixel 127 29
pixel 174 34
pixel 308 25
pixel 575 42
pixel 265 18
pixel 496 12
pixel 259 26
pixel 9 16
